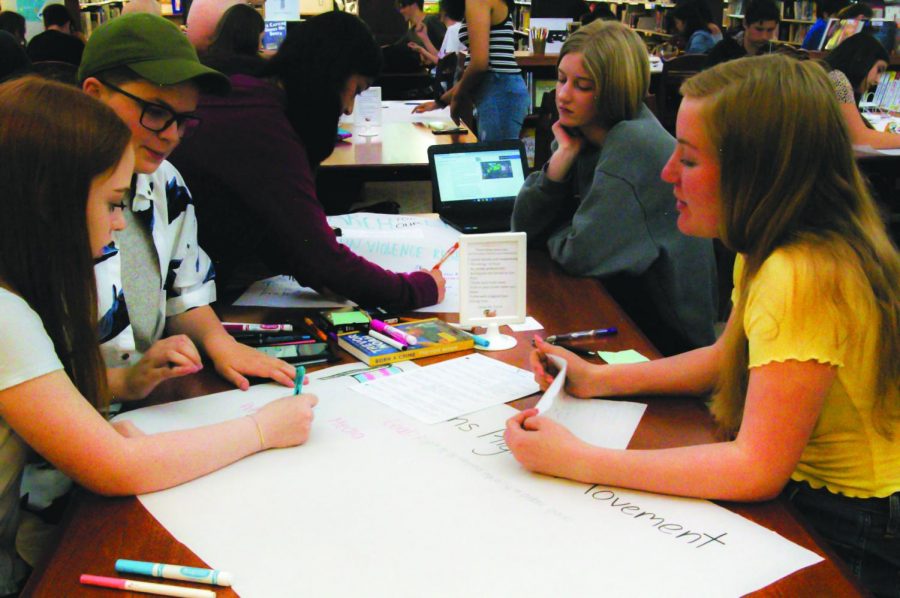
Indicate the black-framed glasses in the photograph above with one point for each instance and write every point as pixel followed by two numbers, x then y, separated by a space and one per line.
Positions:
pixel 158 118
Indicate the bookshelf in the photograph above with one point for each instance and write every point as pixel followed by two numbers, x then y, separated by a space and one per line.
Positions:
pixel 94 14
pixel 649 19
pixel 797 16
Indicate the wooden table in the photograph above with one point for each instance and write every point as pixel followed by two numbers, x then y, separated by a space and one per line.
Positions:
pixel 97 530
pixel 399 151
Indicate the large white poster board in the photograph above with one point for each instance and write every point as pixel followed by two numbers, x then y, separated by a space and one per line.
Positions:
pixel 376 504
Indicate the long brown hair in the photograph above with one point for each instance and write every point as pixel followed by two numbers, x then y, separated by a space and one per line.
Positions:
pixel 789 179
pixel 54 140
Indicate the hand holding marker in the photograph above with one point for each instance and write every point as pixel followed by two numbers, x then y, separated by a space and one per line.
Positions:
pixel 447 255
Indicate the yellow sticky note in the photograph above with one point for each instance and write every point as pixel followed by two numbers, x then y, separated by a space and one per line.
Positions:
pixel 627 356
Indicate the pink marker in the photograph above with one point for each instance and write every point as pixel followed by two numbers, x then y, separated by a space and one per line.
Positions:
pixel 146 587
pixel 406 339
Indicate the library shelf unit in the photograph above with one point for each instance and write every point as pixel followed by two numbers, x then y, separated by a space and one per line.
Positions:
pixel 797 16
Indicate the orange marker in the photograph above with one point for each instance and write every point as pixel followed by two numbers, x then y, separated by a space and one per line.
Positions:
pixel 315 329
pixel 447 255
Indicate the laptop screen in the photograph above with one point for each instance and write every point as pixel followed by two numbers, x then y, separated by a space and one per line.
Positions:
pixel 478 174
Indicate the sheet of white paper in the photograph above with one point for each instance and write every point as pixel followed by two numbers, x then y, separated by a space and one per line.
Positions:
pixel 626 356
pixel 451 388
pixel 396 111
pixel 402 243
pixel 284 291
pixel 529 324
pixel 283 10
pixel 377 504
pixel 600 422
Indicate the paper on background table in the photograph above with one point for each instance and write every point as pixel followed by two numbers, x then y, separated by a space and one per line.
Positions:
pixel 626 356
pixel 451 388
pixel 284 291
pixel 529 324
pixel 399 500
pixel 600 422
pixel 395 111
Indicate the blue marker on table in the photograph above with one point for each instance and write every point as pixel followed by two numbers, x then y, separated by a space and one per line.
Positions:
pixel 480 340
pixel 299 374
pixel 198 574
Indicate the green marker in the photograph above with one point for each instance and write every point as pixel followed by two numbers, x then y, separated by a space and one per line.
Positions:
pixel 298 379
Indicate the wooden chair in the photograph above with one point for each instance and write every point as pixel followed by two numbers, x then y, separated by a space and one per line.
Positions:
pixel 675 71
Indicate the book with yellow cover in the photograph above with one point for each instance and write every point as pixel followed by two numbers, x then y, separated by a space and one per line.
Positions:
pixel 434 337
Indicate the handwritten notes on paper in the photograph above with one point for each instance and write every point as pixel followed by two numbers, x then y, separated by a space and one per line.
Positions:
pixel 451 388
pixel 400 500
pixel 403 243
pixel 395 242
pixel 600 422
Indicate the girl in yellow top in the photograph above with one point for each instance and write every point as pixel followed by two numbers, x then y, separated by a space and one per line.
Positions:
pixel 804 380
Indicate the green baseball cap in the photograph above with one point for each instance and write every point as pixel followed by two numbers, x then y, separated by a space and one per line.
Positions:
pixel 153 48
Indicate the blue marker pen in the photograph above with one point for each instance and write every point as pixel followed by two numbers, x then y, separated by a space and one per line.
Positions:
pixel 480 340
pixel 198 574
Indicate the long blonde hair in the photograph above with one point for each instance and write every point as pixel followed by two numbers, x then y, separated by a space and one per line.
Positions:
pixel 789 177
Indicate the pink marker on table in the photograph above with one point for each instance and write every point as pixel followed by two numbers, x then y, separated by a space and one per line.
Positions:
pixel 146 587
pixel 406 339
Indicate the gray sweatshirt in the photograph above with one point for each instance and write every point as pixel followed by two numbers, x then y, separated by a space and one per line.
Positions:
pixel 614 218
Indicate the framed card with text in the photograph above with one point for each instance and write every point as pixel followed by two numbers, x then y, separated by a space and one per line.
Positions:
pixel 492 278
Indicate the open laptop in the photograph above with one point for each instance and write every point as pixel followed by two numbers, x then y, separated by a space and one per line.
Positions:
pixel 474 185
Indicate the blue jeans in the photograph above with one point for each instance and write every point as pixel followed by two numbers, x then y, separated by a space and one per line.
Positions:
pixel 864 532
pixel 501 104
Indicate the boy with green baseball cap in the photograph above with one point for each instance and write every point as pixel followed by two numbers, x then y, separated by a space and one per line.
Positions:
pixel 143 67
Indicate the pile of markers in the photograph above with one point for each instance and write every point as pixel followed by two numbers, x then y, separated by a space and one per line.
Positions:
pixel 193 574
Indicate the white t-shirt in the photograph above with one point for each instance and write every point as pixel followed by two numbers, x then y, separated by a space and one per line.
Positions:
pixel 451 41
pixel 26 352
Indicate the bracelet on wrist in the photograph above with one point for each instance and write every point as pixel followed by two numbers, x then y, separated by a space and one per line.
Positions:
pixel 262 441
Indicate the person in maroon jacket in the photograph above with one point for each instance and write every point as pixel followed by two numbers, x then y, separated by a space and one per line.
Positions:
pixel 251 166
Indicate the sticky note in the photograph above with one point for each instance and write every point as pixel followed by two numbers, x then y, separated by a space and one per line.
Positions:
pixel 341 318
pixel 627 356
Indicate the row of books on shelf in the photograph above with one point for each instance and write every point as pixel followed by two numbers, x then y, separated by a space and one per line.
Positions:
pixel 887 94
pixel 801 10
pixel 92 16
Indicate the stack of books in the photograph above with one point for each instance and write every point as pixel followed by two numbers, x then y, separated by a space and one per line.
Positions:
pixel 433 337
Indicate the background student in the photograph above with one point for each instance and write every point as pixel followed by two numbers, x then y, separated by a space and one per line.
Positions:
pixel 66 162
pixel 855 67
pixel 57 42
pixel 599 203
pixel 14 24
pixel 492 83
pixel 692 23
pixel 760 26
pixel 251 166
pixel 157 279
pixel 237 41
pixel 806 378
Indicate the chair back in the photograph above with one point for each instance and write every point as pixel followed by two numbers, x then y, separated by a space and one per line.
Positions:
pixel 675 71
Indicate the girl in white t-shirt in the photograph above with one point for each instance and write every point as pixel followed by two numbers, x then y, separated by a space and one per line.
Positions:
pixel 65 162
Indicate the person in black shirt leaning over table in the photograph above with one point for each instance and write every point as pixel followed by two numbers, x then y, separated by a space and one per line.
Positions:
pixel 599 203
